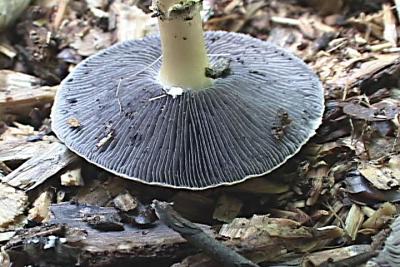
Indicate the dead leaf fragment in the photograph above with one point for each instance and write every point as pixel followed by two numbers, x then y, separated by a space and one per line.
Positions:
pixel 381 216
pixel 277 235
pixel 382 178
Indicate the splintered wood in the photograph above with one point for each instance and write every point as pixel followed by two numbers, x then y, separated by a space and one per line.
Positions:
pixel 38 169
pixel 13 203
pixel 40 212
pixel 19 93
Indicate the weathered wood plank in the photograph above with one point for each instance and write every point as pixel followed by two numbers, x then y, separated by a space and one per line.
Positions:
pixel 40 167
pixel 21 149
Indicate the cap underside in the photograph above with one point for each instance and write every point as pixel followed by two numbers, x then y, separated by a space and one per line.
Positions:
pixel 234 130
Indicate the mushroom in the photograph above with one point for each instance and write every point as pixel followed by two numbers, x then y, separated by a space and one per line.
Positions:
pixel 208 109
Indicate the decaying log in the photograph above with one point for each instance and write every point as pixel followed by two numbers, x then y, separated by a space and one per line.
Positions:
pixel 70 240
pixel 41 167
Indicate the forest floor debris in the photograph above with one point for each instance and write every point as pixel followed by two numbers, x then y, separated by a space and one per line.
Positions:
pixel 329 204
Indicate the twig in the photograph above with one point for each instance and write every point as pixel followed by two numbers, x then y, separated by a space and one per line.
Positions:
pixel 62 7
pixel 198 238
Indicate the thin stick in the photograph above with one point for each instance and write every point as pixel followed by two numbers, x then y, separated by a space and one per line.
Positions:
pixel 62 7
pixel 198 238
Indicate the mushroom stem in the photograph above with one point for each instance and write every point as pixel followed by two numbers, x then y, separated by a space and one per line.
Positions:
pixel 184 53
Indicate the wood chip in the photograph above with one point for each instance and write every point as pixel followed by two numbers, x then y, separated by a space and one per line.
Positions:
pixel 318 175
pixel 125 202
pixel 40 212
pixel 13 203
pixel 353 222
pixel 74 123
pixel 5 236
pixel 93 41
pixel 72 178
pixel 100 192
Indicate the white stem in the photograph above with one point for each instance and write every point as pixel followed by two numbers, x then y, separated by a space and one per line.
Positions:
pixel 184 55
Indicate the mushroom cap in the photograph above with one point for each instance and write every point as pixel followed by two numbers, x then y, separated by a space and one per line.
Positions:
pixel 112 111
